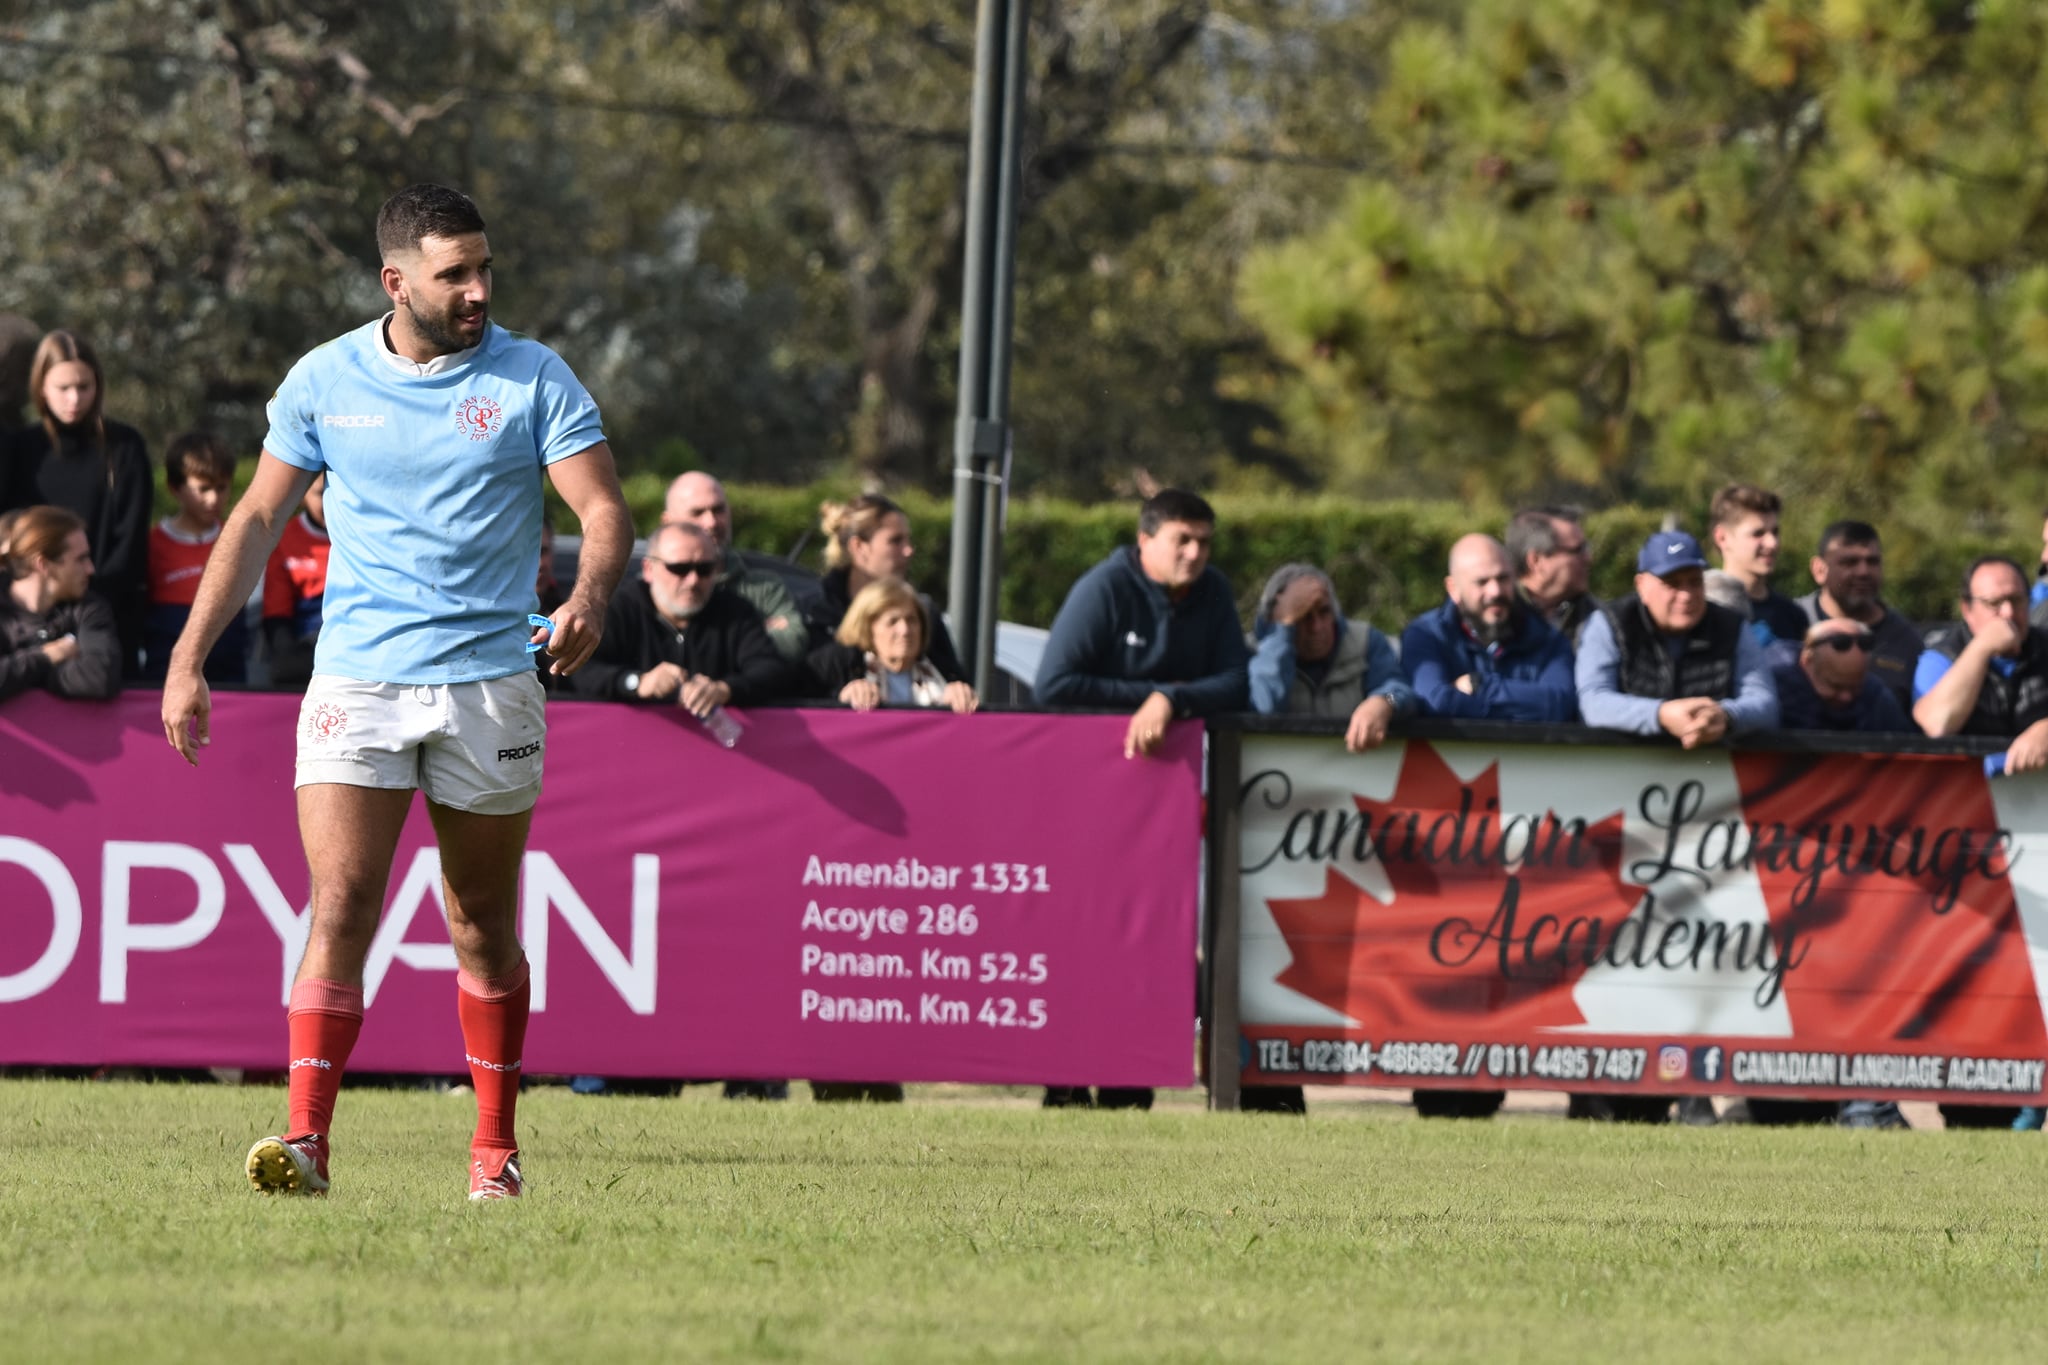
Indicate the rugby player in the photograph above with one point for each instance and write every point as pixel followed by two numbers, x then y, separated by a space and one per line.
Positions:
pixel 433 426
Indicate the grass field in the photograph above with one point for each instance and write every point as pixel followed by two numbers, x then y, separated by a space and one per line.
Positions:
pixel 696 1229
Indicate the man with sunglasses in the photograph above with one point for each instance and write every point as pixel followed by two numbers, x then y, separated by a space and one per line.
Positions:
pixel 1830 685
pixel 1988 674
pixel 679 637
pixel 697 499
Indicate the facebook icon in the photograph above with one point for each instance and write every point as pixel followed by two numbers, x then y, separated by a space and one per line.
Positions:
pixel 1706 1063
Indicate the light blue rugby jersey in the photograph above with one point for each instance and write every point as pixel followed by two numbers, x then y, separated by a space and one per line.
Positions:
pixel 433 499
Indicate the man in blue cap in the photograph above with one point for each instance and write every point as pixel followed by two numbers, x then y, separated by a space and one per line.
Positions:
pixel 1665 658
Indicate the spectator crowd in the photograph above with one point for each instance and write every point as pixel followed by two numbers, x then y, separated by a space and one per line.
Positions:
pixel 98 592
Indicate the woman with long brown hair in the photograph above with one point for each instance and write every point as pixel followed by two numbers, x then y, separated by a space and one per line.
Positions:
pixel 76 458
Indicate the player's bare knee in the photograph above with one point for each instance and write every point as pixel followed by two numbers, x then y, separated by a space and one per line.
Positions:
pixel 343 922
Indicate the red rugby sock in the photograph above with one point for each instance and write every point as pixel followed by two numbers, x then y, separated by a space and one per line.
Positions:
pixel 323 1019
pixel 493 1015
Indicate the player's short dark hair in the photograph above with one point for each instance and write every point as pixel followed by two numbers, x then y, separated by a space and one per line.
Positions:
pixel 198 453
pixel 1986 561
pixel 1739 500
pixel 1847 533
pixel 1173 504
pixel 419 211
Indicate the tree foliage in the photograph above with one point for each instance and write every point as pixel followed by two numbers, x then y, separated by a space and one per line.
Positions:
pixel 1631 249
pixel 741 222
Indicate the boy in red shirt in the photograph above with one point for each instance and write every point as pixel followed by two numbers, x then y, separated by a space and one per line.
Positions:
pixel 199 469
pixel 294 583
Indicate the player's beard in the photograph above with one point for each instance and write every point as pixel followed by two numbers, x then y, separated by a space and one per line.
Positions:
pixel 440 330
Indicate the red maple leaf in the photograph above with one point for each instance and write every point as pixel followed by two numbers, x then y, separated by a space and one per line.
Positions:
pixel 1929 951
pixel 1463 878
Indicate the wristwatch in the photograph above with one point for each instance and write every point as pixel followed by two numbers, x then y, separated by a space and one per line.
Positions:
pixel 631 682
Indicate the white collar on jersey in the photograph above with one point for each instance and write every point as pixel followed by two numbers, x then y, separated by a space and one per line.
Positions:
pixel 437 365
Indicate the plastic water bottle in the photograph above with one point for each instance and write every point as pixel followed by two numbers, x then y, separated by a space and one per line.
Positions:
pixel 723 728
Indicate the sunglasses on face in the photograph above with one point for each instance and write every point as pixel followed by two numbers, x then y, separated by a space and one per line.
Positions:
pixel 1842 644
pixel 685 568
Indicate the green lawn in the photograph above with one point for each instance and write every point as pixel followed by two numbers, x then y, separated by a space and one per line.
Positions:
pixel 949 1229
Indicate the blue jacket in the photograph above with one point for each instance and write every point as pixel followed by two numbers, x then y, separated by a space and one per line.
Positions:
pixel 1875 710
pixel 1119 638
pixel 1530 681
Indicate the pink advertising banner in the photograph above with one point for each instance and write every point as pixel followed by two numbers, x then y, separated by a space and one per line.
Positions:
pixel 894 896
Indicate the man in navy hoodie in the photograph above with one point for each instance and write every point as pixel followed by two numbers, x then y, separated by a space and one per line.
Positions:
pixel 1482 655
pixel 1154 628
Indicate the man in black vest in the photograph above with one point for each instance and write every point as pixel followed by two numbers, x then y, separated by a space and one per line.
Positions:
pixel 1988 675
pixel 1664 658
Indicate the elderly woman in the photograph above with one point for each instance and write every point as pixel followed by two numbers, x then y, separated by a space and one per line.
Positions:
pixel 54 634
pixel 879 655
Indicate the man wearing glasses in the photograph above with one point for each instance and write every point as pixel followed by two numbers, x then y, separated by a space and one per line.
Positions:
pixel 678 637
pixel 1553 561
pixel 1830 685
pixel 1988 675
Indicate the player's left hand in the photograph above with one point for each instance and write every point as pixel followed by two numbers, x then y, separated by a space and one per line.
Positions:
pixel 574 639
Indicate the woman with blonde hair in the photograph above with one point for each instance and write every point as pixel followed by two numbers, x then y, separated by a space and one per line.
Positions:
pixel 76 458
pixel 878 657
pixel 53 633
pixel 865 540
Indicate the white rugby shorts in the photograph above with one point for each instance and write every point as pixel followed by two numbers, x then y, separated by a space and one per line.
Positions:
pixel 474 746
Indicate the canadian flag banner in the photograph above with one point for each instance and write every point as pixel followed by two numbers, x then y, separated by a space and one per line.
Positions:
pixel 1629 919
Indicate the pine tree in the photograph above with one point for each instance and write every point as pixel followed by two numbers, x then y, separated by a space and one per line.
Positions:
pixel 1631 249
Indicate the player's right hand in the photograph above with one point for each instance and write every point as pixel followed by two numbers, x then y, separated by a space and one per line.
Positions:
pixel 188 710
pixel 578 627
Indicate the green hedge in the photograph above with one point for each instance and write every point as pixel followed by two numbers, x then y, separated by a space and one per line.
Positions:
pixel 1387 558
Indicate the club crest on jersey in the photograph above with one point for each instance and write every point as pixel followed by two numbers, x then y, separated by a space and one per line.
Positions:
pixel 479 418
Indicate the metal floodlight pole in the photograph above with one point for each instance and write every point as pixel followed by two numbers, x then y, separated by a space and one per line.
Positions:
pixel 981 429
